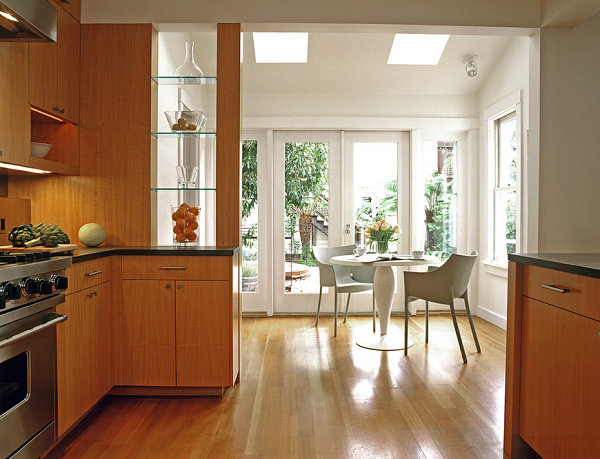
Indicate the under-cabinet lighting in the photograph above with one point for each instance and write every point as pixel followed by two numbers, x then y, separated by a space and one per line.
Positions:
pixel 47 114
pixel 23 168
pixel 417 49
pixel 8 16
pixel 281 47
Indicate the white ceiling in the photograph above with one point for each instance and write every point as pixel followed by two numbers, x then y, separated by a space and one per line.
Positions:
pixel 347 63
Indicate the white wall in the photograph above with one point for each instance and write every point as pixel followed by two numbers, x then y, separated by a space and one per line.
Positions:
pixel 569 220
pixel 511 75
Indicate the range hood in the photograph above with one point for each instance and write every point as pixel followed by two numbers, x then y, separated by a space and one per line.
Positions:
pixel 27 20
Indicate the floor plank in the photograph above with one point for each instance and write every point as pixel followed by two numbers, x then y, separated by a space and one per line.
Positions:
pixel 304 393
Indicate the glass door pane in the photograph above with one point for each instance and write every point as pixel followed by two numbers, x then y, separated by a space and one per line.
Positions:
pixel 306 213
pixel 250 268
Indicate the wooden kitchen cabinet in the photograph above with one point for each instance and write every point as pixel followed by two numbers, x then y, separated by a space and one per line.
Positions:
pixel 14 109
pixel 148 355
pixel 54 70
pixel 179 333
pixel 552 363
pixel 84 351
pixel 72 6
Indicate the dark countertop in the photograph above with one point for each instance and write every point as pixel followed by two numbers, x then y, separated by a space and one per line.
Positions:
pixel 585 264
pixel 90 253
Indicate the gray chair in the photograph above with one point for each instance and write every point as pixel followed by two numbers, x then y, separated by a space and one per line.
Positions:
pixel 441 285
pixel 345 279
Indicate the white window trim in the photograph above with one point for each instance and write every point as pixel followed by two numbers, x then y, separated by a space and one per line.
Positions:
pixel 513 102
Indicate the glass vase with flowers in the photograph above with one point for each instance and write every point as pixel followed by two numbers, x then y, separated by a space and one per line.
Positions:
pixel 380 234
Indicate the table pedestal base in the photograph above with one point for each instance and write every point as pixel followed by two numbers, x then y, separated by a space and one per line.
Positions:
pixel 379 342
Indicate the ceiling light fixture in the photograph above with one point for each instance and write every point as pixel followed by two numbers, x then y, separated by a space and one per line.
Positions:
pixel 23 168
pixel 417 49
pixel 280 47
pixel 471 66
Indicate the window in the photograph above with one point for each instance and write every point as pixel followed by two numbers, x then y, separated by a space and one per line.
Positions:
pixel 249 216
pixel 505 205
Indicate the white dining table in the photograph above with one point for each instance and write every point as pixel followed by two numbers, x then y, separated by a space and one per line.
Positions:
pixel 384 284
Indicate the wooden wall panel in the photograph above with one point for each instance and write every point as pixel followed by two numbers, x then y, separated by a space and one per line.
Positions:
pixel 229 153
pixel 14 212
pixel 113 188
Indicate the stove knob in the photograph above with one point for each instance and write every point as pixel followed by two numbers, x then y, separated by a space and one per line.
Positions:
pixel 10 291
pixel 45 287
pixel 30 286
pixel 59 282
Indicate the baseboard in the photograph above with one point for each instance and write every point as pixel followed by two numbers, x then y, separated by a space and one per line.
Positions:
pixel 492 317
pixel 146 391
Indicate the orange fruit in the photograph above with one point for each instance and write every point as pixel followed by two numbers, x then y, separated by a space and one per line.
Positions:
pixel 187 231
pixel 194 210
pixel 192 237
pixel 174 216
pixel 190 218
pixel 180 237
pixel 180 224
pixel 175 229
pixel 180 213
pixel 184 205
pixel 193 225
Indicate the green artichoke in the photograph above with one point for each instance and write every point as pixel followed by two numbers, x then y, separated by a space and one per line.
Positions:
pixel 48 235
pixel 20 235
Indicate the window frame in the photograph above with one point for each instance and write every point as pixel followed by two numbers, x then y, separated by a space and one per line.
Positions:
pixel 504 109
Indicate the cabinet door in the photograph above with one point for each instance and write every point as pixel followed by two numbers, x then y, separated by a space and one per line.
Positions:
pixel 560 370
pixel 203 333
pixel 101 341
pixel 148 333
pixel 73 360
pixel 14 109
pixel 68 66
pixel 43 78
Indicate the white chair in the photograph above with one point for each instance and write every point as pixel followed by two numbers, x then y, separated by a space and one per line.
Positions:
pixel 441 285
pixel 345 279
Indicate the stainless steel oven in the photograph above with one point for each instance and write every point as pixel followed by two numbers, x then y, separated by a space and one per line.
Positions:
pixel 28 361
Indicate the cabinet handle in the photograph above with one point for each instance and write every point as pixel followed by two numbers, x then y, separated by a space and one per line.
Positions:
pixel 168 286
pixel 62 110
pixel 555 289
pixel 91 294
pixel 180 268
pixel 93 273
pixel 179 286
pixel 56 109
pixel 65 1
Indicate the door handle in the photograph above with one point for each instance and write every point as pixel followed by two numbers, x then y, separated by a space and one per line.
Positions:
pixel 93 273
pixel 555 289
pixel 53 320
pixel 175 268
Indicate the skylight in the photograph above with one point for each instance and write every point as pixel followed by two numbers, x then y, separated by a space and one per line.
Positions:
pixel 417 49
pixel 280 48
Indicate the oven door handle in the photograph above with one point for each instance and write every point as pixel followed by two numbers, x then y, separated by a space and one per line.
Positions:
pixel 51 322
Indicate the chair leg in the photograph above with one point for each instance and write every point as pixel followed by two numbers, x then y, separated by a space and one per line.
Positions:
pixel 319 306
pixel 374 312
pixel 347 304
pixel 460 343
pixel 405 325
pixel 466 298
pixel 426 321
pixel 335 313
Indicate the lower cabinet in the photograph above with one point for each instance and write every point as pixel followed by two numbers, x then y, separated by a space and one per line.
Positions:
pixel 84 364
pixel 560 370
pixel 176 333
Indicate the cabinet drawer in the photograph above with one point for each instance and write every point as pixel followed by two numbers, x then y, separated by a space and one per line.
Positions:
pixel 580 295
pixel 175 267
pixel 88 273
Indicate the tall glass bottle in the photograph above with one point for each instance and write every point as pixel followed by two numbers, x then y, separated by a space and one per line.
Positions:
pixel 189 67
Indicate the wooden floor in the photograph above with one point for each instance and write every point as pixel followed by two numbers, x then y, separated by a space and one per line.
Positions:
pixel 304 393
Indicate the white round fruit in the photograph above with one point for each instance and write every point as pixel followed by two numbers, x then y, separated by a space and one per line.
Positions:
pixel 92 234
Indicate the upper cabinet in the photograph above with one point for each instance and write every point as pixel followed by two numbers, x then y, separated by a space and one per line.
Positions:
pixel 14 109
pixel 72 6
pixel 54 71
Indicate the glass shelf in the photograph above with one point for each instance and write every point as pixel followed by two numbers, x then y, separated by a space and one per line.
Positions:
pixel 202 135
pixel 184 80
pixel 163 188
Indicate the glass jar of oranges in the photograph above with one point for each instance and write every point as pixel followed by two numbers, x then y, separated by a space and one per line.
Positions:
pixel 185 224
